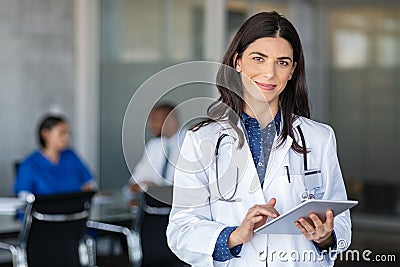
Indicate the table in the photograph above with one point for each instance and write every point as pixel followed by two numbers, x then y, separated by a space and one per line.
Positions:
pixel 108 208
pixel 8 207
pixel 112 206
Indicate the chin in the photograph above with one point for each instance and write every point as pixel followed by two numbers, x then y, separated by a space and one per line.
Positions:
pixel 62 148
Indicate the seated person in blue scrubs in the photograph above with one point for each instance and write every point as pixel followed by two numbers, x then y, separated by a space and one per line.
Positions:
pixel 54 168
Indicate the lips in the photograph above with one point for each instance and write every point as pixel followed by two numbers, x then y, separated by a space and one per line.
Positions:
pixel 266 86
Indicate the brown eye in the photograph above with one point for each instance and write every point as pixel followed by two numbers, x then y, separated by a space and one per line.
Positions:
pixel 260 59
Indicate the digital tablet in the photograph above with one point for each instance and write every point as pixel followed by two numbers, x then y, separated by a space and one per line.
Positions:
pixel 284 224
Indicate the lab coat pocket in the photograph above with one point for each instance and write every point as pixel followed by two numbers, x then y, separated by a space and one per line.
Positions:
pixel 289 192
pixel 227 197
pixel 228 212
pixel 313 183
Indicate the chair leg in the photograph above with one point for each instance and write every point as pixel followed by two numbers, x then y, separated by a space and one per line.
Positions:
pixel 18 254
pixel 91 245
pixel 87 252
pixel 132 238
pixel 134 247
pixel 22 260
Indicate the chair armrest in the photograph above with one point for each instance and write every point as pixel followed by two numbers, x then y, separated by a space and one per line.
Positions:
pixel 132 239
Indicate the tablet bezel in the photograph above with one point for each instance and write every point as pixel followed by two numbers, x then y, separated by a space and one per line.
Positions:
pixel 284 224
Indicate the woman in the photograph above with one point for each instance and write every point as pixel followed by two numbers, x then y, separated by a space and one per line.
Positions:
pixel 248 162
pixel 54 168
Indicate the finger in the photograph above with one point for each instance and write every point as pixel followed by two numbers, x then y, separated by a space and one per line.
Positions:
pixel 272 202
pixel 310 228
pixel 257 219
pixel 302 229
pixel 264 210
pixel 268 205
pixel 316 221
pixel 260 223
pixel 329 220
pixel 252 223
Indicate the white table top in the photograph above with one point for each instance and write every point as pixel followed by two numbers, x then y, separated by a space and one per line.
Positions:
pixel 9 205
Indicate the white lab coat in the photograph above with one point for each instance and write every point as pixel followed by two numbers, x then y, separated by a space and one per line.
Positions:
pixel 198 217
pixel 150 166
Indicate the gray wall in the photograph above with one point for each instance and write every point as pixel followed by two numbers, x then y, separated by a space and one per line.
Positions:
pixel 131 54
pixel 36 73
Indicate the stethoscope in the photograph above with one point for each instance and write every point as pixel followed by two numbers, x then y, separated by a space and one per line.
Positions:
pixel 222 198
pixel 306 195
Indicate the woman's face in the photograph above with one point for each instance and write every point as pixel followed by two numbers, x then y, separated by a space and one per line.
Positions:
pixel 157 119
pixel 266 66
pixel 57 137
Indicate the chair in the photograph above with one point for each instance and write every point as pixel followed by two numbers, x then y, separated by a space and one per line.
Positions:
pixel 53 232
pixel 15 167
pixel 131 237
pixel 152 226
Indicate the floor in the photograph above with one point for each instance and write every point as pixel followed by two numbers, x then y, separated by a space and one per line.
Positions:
pixel 121 261
pixel 372 245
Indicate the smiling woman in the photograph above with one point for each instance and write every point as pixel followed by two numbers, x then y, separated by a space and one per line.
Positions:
pixel 258 129
pixel 268 62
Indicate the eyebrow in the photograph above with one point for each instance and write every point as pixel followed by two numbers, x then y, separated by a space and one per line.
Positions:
pixel 264 55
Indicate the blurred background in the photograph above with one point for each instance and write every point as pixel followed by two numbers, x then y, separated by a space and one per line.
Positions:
pixel 86 58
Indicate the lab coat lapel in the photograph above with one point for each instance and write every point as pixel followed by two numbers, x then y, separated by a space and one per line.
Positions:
pixel 277 157
pixel 247 171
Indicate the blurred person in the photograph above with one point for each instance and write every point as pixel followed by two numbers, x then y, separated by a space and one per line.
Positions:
pixel 258 155
pixel 54 167
pixel 157 164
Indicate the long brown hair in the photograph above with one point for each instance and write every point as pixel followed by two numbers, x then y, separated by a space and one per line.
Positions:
pixel 293 99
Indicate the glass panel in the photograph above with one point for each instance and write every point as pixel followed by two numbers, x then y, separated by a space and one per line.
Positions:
pixel 142 43
pixel 387 48
pixel 138 39
pixel 365 100
pixel 237 11
pixel 345 56
pixel 166 32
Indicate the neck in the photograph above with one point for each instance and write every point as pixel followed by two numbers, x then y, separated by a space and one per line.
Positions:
pixel 52 154
pixel 263 112
pixel 170 133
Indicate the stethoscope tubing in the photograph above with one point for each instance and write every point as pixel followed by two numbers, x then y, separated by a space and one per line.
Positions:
pixel 222 198
pixel 231 198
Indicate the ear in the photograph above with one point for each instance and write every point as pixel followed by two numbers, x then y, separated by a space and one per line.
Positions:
pixel 292 71
pixel 237 62
pixel 45 133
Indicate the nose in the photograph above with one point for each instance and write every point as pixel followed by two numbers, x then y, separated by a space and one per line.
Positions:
pixel 269 69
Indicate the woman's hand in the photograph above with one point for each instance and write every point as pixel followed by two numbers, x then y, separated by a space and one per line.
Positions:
pixel 88 187
pixel 316 230
pixel 142 187
pixel 256 216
